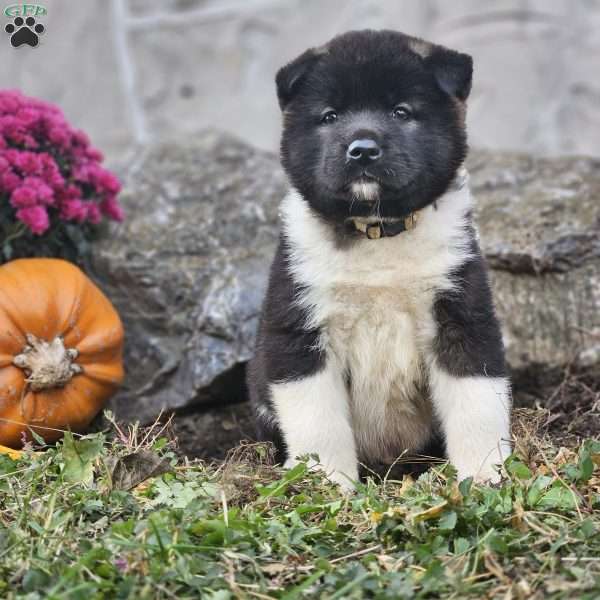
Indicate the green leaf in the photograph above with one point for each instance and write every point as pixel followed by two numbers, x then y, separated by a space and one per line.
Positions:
pixel 536 489
pixel 588 529
pixel 461 545
pixel 586 467
pixel 296 591
pixel 39 440
pixel 496 543
pixel 433 574
pixel 517 468
pixel 465 486
pixel 560 497
pixel 448 520
pixel 278 488
pixel 35 580
pixel 160 443
pixel 79 457
pixel 7 251
pixel 218 595
pixel 592 446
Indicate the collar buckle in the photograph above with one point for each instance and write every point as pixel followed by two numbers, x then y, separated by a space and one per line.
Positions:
pixel 410 222
pixel 373 231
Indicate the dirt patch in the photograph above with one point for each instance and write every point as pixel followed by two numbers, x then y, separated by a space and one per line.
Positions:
pixel 575 407
pixel 570 401
pixel 211 434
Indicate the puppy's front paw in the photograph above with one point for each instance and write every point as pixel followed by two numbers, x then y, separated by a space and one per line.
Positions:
pixel 347 485
pixel 490 474
pixel 482 468
pixel 346 482
pixel 290 463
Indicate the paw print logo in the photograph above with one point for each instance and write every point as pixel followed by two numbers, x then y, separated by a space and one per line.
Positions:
pixel 24 31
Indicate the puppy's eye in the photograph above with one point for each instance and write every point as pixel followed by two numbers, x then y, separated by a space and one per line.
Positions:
pixel 329 116
pixel 402 112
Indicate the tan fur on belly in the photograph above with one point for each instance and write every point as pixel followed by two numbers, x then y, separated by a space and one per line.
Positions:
pixel 373 338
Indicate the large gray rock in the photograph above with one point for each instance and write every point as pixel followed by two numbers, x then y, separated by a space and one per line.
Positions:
pixel 188 268
pixel 539 221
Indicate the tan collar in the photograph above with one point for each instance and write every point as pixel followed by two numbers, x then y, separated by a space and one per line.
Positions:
pixel 375 228
pixel 378 228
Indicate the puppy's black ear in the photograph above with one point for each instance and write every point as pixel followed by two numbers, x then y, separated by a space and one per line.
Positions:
pixel 290 76
pixel 453 71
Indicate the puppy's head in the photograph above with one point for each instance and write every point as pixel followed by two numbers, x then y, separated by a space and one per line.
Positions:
pixel 373 123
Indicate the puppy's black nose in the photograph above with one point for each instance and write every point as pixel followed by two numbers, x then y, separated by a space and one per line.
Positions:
pixel 363 151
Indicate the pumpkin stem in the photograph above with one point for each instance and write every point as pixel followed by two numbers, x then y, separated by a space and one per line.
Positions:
pixel 47 364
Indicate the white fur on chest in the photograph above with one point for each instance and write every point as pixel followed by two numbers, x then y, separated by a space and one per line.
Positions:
pixel 372 301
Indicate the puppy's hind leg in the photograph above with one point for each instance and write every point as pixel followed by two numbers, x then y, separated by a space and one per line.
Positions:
pixel 314 417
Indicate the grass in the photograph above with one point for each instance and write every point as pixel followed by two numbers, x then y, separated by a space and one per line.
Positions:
pixel 119 515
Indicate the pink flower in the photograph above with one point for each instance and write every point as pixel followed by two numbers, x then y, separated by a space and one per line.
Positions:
pixel 107 182
pixel 71 206
pixel 94 154
pixel 81 172
pixel 69 192
pixel 32 190
pixel 112 209
pixel 43 191
pixel 23 196
pixel 93 213
pixel 73 210
pixel 49 171
pixel 35 217
pixel 8 182
pixel 121 564
pixel 58 136
pixel 81 139
pixel 28 163
pixel 10 102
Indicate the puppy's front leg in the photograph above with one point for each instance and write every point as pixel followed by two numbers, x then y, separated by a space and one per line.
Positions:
pixel 468 383
pixel 474 413
pixel 314 416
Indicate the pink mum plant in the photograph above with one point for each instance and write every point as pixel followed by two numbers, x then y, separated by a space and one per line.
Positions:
pixel 53 190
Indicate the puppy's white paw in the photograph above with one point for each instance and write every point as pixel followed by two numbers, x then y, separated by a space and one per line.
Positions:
pixel 483 468
pixel 347 485
pixel 489 474
pixel 290 463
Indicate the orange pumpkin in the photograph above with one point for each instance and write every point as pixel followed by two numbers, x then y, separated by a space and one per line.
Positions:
pixel 61 349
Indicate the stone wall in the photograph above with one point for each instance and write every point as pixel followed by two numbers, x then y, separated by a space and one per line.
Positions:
pixel 134 71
